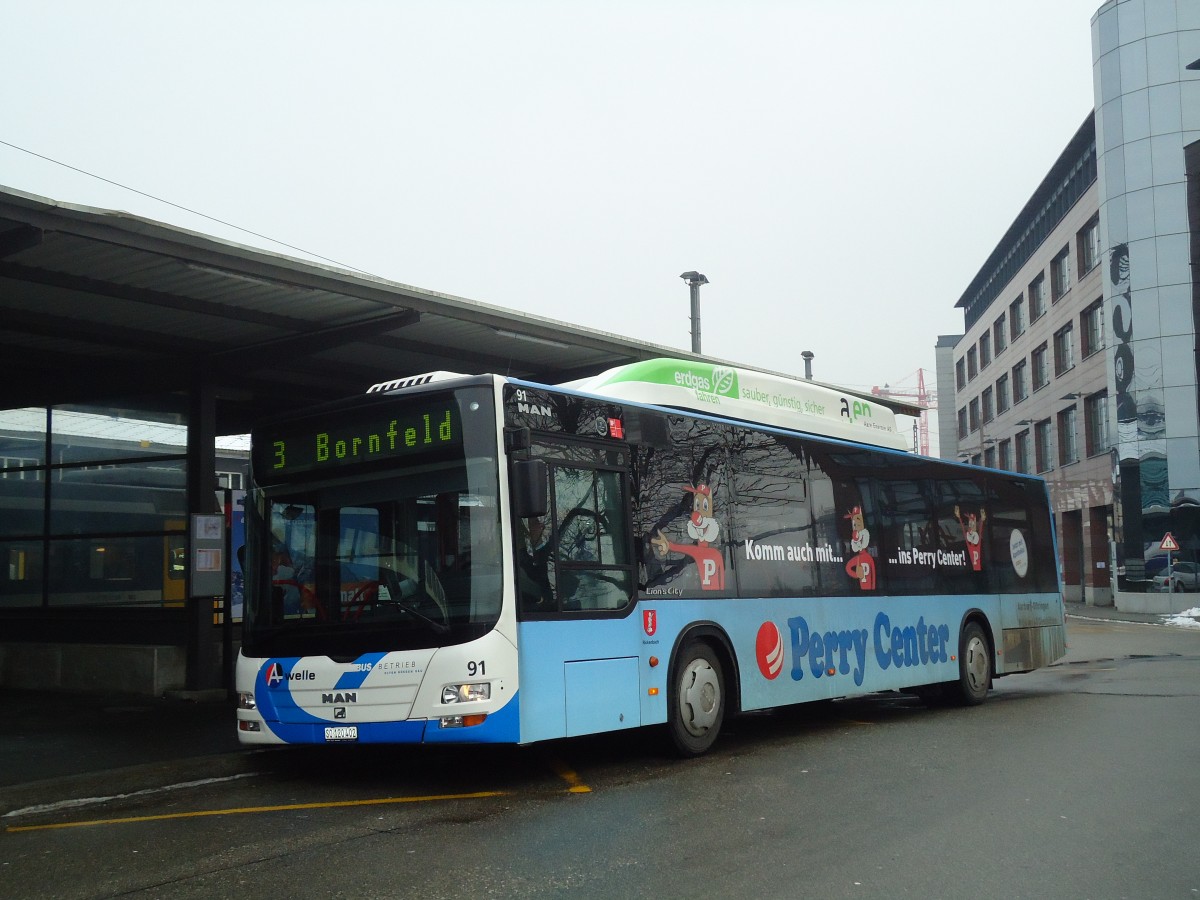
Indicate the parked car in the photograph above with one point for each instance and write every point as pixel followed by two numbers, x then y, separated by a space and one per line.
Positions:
pixel 1185 576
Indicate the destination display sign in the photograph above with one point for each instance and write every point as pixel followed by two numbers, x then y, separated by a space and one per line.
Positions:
pixel 363 436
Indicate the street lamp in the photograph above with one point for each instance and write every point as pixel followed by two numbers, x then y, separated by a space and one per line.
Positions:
pixel 694 280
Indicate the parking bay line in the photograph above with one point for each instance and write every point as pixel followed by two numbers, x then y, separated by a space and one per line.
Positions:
pixel 246 810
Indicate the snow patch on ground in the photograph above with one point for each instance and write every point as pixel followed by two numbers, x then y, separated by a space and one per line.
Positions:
pixel 1189 618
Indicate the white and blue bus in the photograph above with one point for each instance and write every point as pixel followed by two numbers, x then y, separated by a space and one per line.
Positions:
pixel 481 559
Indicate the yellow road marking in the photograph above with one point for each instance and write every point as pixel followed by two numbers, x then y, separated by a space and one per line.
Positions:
pixel 237 811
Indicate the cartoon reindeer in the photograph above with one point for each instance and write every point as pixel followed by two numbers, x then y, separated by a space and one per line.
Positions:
pixel 970 530
pixel 861 567
pixel 703 528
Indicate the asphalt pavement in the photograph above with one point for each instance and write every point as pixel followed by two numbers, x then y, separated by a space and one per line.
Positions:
pixel 68 747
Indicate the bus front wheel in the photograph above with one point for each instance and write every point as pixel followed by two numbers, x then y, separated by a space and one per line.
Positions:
pixel 974 666
pixel 697 702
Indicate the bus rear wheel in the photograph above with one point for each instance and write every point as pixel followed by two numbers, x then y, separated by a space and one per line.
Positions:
pixel 974 666
pixel 696 707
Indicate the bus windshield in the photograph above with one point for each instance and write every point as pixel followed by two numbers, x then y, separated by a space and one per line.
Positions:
pixel 404 555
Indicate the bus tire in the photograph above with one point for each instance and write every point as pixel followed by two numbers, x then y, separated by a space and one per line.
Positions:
pixel 974 666
pixel 696 705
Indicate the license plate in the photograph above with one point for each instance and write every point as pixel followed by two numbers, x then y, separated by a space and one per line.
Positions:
pixel 341 733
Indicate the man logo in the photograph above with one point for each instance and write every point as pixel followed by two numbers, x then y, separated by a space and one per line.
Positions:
pixel 275 676
pixel 768 650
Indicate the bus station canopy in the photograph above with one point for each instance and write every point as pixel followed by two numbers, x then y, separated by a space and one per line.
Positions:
pixel 98 304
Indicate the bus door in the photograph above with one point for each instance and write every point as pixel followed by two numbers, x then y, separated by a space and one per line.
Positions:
pixel 576 587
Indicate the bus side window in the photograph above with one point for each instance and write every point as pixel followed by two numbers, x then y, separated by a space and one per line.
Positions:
pixel 1024 558
pixel 909 539
pixel 682 512
pixel 961 519
pixel 769 512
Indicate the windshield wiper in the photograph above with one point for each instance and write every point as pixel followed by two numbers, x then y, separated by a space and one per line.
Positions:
pixel 396 598
pixel 438 627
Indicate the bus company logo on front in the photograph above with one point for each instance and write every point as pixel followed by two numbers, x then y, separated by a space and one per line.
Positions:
pixel 768 650
pixel 276 675
pixel 649 621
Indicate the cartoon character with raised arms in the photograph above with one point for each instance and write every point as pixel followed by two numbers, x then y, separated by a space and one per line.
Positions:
pixel 970 530
pixel 703 528
pixel 861 567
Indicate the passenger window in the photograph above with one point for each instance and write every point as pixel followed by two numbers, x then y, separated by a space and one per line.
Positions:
pixel 910 537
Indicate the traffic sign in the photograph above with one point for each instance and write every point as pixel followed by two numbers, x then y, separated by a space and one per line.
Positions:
pixel 1168 543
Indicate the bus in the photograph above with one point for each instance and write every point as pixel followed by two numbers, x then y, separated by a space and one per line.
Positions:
pixel 671 543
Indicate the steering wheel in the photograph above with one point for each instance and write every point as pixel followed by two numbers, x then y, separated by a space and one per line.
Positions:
pixel 578 533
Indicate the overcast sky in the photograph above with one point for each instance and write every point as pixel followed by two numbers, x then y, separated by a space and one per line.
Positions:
pixel 838 169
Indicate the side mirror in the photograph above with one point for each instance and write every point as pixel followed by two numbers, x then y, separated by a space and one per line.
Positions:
pixel 530 478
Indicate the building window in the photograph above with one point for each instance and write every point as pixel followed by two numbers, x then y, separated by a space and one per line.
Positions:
pixel 1005 460
pixel 989 457
pixel 960 374
pixel 1041 445
pixel 1089 245
pixel 1095 423
pixel 1060 273
pixel 1016 317
pixel 1037 297
pixel 1020 383
pixel 999 336
pixel 234 481
pixel 1091 327
pixel 1068 451
pixel 1002 394
pixel 989 409
pixel 985 349
pixel 973 414
pixel 1022 459
pixel 1064 357
pixel 962 423
pixel 972 363
pixel 1041 371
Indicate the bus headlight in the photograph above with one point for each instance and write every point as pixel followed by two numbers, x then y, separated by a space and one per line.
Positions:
pixel 465 693
pixel 246 700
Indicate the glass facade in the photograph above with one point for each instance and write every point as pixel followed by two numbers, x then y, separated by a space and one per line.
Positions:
pixel 95 502
pixel 1147 114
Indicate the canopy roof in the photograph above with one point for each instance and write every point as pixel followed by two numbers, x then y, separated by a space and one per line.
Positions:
pixel 97 304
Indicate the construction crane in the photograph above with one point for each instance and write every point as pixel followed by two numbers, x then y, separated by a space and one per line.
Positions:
pixel 927 400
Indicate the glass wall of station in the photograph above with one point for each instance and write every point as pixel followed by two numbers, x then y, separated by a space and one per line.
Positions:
pixel 94 502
